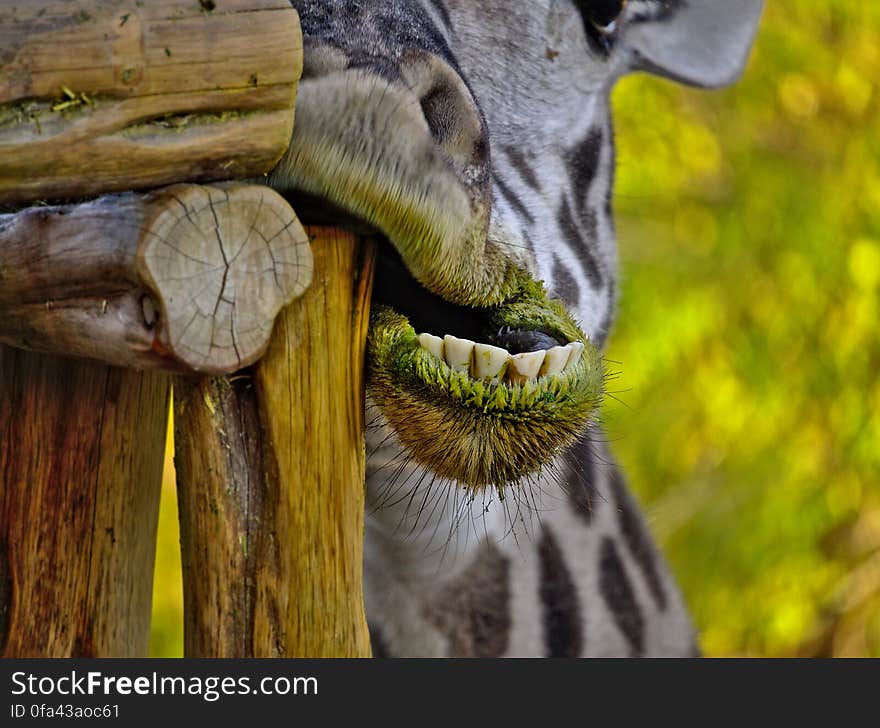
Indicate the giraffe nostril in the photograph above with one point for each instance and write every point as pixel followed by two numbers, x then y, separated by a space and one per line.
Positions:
pixel 449 109
pixel 437 108
pixel 460 135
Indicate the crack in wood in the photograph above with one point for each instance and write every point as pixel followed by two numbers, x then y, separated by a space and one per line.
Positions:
pixel 209 267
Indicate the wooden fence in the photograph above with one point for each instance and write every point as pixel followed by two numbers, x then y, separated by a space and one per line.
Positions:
pixel 154 270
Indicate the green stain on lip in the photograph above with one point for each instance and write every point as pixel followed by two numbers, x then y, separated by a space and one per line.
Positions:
pixel 483 432
pixel 395 347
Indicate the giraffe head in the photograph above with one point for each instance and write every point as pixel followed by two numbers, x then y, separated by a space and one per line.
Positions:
pixel 475 137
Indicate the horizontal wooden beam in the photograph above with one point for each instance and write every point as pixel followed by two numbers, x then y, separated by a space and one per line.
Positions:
pixel 188 278
pixel 112 95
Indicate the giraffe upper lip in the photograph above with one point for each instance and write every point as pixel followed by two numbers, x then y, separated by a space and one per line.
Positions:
pixel 362 144
pixel 429 313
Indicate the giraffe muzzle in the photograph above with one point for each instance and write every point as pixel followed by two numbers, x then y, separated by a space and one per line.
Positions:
pixel 465 351
pixel 405 153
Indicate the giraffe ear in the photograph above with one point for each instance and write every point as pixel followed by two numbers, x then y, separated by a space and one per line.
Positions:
pixel 698 42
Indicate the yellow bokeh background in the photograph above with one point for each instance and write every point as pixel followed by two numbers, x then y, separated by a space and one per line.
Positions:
pixel 746 409
pixel 747 341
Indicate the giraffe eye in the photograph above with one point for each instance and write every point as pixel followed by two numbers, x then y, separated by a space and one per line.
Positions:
pixel 603 14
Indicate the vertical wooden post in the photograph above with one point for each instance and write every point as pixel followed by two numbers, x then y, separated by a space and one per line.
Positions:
pixel 270 469
pixel 80 474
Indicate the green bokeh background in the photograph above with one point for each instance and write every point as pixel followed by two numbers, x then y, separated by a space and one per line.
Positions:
pixel 748 397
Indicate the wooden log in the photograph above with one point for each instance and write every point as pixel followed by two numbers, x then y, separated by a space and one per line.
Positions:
pixel 187 277
pixel 80 475
pixel 109 95
pixel 270 470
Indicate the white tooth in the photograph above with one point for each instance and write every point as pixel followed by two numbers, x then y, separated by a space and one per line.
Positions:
pixel 577 348
pixel 432 344
pixel 457 353
pixel 488 361
pixel 555 361
pixel 524 367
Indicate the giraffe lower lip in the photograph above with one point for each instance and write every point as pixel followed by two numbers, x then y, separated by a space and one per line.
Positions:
pixel 473 412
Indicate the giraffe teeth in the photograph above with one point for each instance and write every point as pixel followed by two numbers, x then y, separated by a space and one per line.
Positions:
pixel 432 344
pixel 555 361
pixel 457 353
pixel 489 361
pixel 484 361
pixel 525 367
pixel 577 348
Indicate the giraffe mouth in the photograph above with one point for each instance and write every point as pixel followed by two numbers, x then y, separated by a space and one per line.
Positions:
pixel 469 339
pixel 484 396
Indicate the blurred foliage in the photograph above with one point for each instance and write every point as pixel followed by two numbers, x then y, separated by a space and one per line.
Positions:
pixel 747 341
pixel 747 338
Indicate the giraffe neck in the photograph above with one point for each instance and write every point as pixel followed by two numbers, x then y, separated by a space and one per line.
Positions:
pixel 573 572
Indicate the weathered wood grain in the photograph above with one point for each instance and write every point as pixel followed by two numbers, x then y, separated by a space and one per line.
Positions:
pixel 270 469
pixel 80 475
pixel 189 277
pixel 110 95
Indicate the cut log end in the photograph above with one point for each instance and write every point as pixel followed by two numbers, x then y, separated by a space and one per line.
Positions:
pixel 188 277
pixel 223 261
